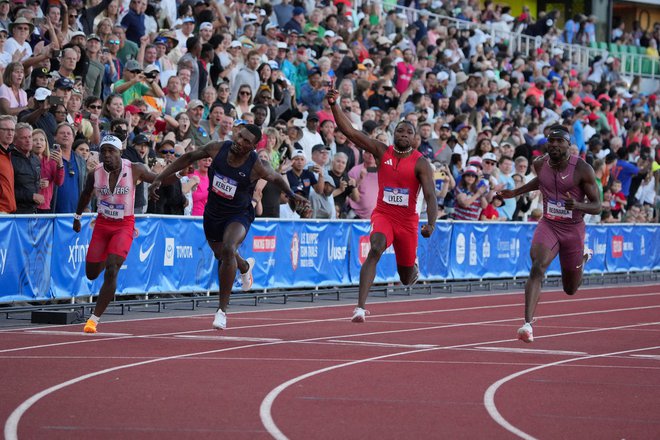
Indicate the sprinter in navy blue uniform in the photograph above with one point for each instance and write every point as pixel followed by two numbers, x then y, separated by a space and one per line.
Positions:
pixel 229 211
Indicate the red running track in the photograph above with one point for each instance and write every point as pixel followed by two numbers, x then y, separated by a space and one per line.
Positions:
pixel 443 368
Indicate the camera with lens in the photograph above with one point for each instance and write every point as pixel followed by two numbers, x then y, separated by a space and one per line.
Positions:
pixel 151 75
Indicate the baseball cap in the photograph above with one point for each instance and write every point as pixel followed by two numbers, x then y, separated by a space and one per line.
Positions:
pixel 206 25
pixel 131 109
pixel 282 45
pixel 298 10
pixel 94 37
pixel 194 103
pixel 64 83
pixel 78 34
pixel 151 68
pixel 141 139
pixel 188 20
pixel 112 141
pixel 274 65
pixel 592 117
pixel 490 156
pixel 235 43
pixel 319 147
pixel 41 94
pixel 132 65
pixel 297 153
pixel 40 73
pixel 442 76
pixel 461 127
pixel 312 115
pixel 471 170
pixel 475 161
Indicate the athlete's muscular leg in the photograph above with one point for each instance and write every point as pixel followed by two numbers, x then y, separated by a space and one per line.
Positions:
pixel 407 274
pixel 571 275
pixel 541 259
pixel 228 251
pixel 368 272
pixel 112 265
pixel 93 270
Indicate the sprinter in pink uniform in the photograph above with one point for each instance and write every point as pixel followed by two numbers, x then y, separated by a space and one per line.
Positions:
pixel 402 171
pixel 113 181
pixel 565 182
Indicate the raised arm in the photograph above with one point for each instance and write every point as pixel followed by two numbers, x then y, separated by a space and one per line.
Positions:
pixel 360 139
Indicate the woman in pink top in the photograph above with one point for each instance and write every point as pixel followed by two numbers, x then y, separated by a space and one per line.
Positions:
pixel 13 98
pixel 201 194
pixel 52 169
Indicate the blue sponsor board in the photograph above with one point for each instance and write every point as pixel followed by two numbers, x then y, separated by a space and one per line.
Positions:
pixel 42 258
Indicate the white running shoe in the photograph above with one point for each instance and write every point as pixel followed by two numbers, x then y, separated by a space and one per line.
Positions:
pixel 525 333
pixel 247 277
pixel 220 320
pixel 359 314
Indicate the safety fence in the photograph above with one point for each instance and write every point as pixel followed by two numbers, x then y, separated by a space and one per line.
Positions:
pixel 42 258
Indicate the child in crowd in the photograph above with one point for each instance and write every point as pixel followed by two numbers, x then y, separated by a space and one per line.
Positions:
pixel 618 202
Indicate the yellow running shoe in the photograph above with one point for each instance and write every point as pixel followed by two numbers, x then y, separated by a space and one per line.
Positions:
pixel 90 327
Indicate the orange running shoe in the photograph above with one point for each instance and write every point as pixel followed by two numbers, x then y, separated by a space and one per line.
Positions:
pixel 90 326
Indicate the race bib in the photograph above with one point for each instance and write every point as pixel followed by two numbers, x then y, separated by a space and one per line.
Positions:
pixel 111 210
pixel 557 210
pixel 395 196
pixel 224 186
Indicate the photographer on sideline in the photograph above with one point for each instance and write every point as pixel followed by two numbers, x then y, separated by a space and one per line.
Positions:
pixel 136 84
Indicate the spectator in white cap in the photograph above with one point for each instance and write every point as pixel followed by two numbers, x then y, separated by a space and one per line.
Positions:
pixel 205 31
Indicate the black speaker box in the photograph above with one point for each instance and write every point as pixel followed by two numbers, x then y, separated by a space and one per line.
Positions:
pixel 54 316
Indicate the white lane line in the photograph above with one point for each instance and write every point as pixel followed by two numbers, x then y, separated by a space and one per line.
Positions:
pixel 265 410
pixel 377 300
pixel 532 351
pixel 489 396
pixel 229 338
pixel 312 321
pixel 654 357
pixel 66 333
pixel 381 344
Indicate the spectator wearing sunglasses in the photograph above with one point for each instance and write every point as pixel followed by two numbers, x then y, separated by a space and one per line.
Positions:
pixel 171 200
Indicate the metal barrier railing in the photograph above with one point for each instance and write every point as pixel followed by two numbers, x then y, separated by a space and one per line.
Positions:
pixel 580 56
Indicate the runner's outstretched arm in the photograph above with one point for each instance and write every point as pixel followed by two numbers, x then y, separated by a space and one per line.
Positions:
pixel 360 139
pixel 263 170
pixel 209 150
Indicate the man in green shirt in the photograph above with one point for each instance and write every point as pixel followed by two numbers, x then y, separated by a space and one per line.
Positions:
pixel 135 84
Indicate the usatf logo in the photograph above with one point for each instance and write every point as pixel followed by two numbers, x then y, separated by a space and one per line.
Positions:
pixel 264 244
pixel 365 247
pixel 295 251
pixel 617 246
pixel 168 259
pixel 77 254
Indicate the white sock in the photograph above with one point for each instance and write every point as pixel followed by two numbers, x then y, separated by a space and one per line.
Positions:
pixel 95 318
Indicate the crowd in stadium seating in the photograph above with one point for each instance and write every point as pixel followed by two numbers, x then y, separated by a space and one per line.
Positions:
pixel 167 78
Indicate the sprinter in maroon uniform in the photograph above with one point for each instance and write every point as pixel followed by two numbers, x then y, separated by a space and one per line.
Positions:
pixel 565 181
pixel 402 170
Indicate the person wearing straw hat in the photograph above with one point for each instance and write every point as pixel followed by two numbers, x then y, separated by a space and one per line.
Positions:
pixel 113 182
